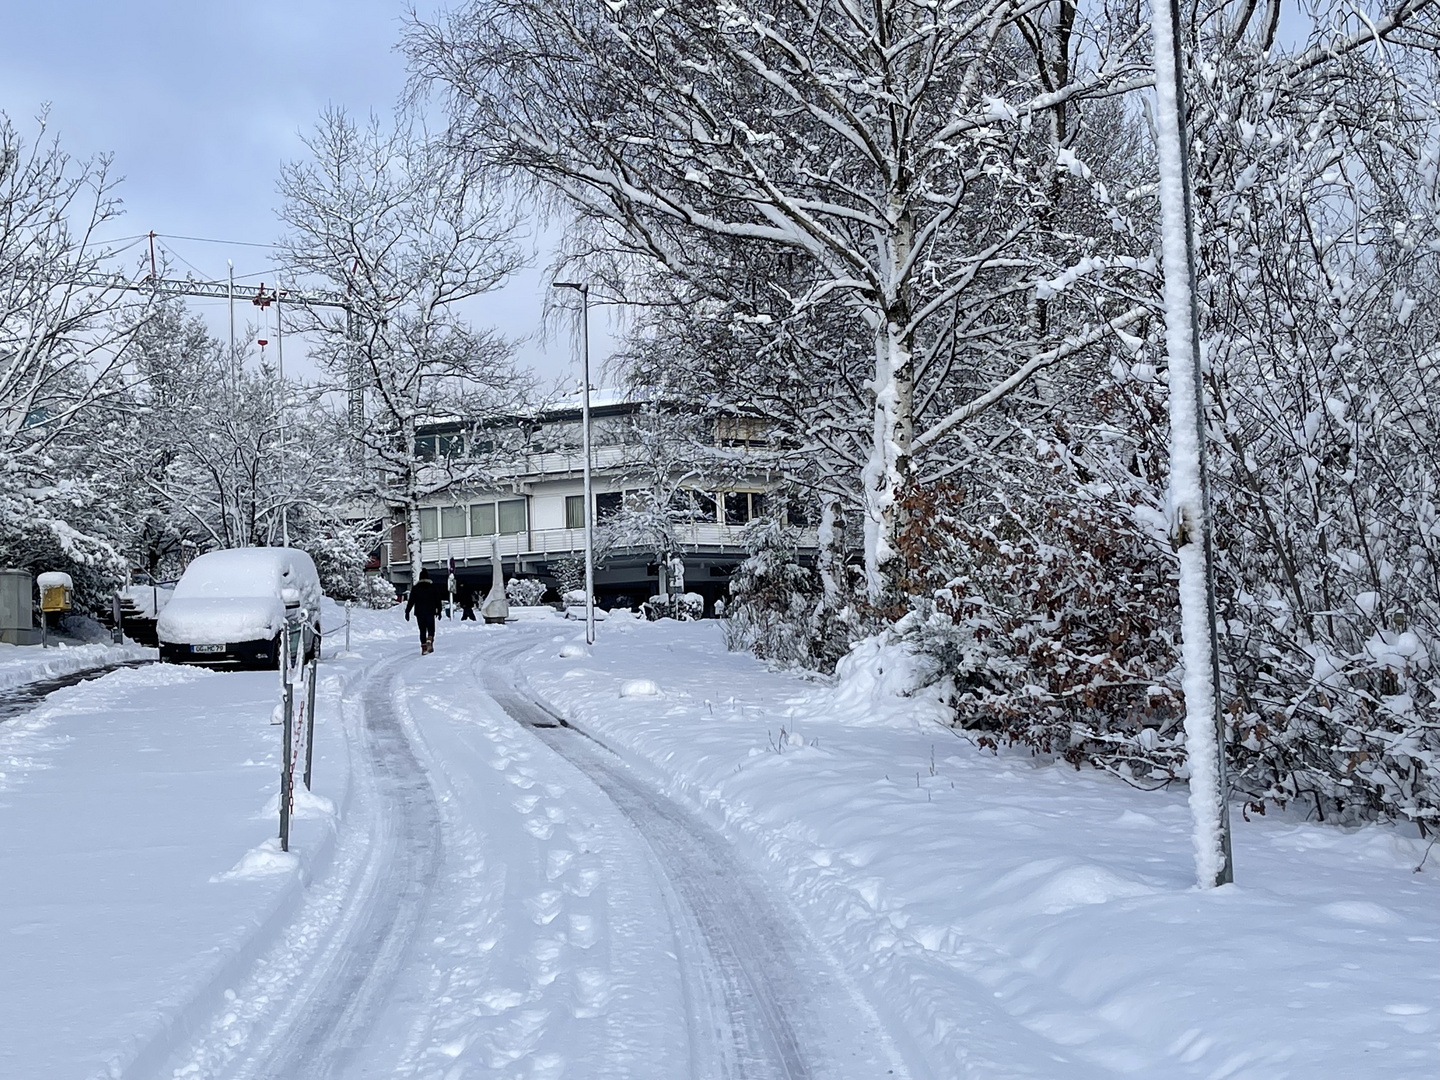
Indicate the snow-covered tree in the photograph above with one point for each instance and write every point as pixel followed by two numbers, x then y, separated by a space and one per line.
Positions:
pixel 63 337
pixel 391 220
pixel 771 598
pixel 891 150
pixel 672 471
pixel 1044 581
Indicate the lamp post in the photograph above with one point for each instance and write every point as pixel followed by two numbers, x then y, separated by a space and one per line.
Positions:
pixel 584 291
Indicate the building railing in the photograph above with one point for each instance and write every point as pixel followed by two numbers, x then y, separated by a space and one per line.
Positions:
pixel 545 543
pixel 549 464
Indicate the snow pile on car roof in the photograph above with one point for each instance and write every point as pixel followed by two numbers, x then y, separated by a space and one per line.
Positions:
pixel 244 572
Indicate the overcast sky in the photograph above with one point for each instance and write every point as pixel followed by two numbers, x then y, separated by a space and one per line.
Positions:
pixel 200 103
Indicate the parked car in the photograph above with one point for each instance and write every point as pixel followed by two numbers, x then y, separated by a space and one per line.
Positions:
pixel 229 607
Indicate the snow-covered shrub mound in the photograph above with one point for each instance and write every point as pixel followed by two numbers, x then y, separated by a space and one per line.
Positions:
pixel 639 688
pixel 573 649
pixel 685 607
pixel 577 611
pixel 524 592
pixel 883 681
pixel 377 593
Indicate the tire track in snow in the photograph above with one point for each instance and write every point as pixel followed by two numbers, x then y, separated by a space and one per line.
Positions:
pixel 763 1004
pixel 328 1016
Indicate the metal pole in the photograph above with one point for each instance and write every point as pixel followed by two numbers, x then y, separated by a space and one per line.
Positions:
pixel 310 713
pixel 230 296
pixel 347 626
pixel 1170 87
pixel 584 291
pixel 280 366
pixel 286 733
pixel 589 497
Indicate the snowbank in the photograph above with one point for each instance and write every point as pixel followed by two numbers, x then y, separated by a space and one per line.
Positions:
pixel 21 664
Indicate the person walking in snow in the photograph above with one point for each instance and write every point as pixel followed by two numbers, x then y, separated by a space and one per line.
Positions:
pixel 467 602
pixel 425 600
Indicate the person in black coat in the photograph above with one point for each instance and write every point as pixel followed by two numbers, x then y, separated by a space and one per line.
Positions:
pixel 467 601
pixel 425 600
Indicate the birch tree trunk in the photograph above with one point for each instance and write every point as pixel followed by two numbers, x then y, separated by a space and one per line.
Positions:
pixel 1204 726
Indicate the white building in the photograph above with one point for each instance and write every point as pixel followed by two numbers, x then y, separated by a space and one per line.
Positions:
pixel 534 507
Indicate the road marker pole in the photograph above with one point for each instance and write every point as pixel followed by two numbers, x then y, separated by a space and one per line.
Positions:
pixel 310 711
pixel 287 731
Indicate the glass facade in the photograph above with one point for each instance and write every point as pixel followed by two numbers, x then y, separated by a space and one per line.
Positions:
pixel 452 521
pixel 482 519
pixel 513 518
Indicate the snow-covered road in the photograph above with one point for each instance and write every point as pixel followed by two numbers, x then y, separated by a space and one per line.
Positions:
pixel 704 870
pixel 763 1000
pixel 520 900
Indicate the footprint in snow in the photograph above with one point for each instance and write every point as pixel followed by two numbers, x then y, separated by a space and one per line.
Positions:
pixel 545 906
pixel 557 862
pixel 584 883
pixel 592 992
pixel 582 931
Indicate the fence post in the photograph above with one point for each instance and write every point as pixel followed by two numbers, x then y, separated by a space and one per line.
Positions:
pixel 310 713
pixel 286 735
pixel 348 605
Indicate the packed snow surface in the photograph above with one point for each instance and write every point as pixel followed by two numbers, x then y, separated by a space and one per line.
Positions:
pixel 748 869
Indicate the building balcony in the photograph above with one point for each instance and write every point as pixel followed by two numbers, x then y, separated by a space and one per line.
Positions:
pixel 540 544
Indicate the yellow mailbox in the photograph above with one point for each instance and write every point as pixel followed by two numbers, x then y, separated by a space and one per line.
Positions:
pixel 56 592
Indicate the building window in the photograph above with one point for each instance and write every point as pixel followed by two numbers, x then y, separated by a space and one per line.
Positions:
pixel 705 511
pixel 607 505
pixel 482 519
pixel 452 521
pixel 425 447
pixel 695 507
pixel 742 507
pixel 512 516
pixel 429 523
pixel 574 511
pixel 741 431
pixel 450 446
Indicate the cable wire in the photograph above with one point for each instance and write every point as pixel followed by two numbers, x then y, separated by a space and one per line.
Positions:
pixel 212 240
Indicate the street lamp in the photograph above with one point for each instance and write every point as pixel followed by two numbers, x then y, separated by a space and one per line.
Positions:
pixel 584 291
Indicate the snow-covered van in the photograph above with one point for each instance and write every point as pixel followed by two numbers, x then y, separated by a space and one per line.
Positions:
pixel 229 607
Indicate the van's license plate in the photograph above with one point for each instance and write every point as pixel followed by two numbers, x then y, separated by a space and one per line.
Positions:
pixel 207 648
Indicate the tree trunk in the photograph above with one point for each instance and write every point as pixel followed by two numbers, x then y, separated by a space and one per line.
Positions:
pixel 888 470
pixel 412 500
pixel 830 559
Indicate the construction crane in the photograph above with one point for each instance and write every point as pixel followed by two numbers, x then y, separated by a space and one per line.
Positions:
pixel 261 298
